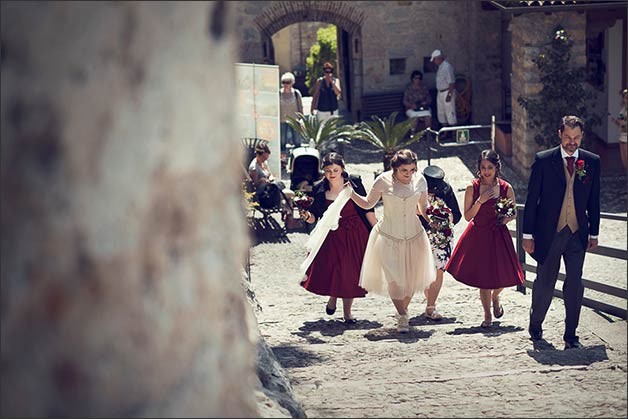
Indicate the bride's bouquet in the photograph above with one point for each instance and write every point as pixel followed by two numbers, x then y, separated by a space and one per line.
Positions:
pixel 440 218
pixel 505 208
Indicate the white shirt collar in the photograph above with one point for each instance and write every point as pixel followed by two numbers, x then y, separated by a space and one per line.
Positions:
pixel 564 154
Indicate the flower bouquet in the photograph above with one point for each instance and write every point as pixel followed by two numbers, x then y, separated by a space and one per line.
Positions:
pixel 440 217
pixel 505 208
pixel 302 201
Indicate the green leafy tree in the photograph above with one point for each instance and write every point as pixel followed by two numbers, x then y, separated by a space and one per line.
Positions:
pixel 564 91
pixel 323 50
pixel 387 135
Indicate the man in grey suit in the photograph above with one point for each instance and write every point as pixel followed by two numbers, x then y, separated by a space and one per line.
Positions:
pixel 561 219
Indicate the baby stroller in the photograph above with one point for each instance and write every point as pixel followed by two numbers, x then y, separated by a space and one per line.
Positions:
pixel 304 168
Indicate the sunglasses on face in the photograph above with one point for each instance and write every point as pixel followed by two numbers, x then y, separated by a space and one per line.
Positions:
pixel 286 82
pixel 329 70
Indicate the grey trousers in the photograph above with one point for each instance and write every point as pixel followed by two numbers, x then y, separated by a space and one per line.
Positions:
pixel 568 245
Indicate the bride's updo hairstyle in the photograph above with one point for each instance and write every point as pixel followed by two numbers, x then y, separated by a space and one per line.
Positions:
pixel 402 157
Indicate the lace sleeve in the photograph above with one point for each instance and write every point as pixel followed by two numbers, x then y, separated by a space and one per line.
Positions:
pixel 368 202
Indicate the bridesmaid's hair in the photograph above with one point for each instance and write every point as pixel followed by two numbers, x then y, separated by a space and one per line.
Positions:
pixel 334 158
pixel 261 149
pixel 402 157
pixel 493 157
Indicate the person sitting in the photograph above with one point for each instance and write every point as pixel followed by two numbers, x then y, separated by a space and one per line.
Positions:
pixel 268 190
pixel 417 100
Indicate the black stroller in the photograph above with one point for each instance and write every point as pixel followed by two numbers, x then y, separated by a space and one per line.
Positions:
pixel 304 168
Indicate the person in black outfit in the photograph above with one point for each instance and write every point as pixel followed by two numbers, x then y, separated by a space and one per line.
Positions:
pixel 326 94
pixel 438 187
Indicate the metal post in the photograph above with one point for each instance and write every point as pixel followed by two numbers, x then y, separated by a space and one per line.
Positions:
pixel 429 148
pixel 493 132
pixel 521 254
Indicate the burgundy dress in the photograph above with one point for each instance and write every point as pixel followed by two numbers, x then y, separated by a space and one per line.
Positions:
pixel 335 271
pixel 484 256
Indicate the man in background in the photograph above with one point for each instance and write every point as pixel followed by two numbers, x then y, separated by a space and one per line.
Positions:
pixel 446 92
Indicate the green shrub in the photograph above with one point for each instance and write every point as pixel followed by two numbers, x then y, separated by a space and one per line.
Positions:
pixel 323 50
pixel 564 91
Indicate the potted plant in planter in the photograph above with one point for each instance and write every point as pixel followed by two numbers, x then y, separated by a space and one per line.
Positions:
pixel 324 137
pixel 387 135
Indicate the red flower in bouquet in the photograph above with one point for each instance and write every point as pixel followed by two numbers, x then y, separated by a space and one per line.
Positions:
pixel 302 200
pixel 581 170
pixel 440 217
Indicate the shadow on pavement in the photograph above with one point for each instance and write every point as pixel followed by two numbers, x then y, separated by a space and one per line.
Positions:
pixel 422 320
pixel 552 356
pixel 495 330
pixel 332 328
pixel 266 230
pixel 295 357
pixel 412 336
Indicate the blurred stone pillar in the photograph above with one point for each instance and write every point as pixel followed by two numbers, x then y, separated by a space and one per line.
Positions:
pixel 122 234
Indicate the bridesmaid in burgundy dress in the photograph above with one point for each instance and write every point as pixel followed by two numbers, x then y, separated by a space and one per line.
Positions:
pixel 335 268
pixel 484 256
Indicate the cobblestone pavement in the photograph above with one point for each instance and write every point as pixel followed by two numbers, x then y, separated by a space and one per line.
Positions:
pixel 451 368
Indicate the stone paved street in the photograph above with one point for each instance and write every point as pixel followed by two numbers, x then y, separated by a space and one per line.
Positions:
pixel 451 368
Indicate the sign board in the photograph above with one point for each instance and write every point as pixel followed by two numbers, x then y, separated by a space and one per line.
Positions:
pixel 462 136
pixel 257 107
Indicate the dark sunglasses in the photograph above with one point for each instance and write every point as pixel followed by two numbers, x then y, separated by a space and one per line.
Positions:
pixel 286 82
pixel 329 70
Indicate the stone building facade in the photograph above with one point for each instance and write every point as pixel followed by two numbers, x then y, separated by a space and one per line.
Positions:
pixel 490 43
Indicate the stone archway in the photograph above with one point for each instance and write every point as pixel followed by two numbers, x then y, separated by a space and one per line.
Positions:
pixel 343 15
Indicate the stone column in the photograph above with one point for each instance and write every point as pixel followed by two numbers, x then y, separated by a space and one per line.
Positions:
pixel 122 231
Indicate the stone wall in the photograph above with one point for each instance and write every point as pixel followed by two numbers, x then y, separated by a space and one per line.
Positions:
pixel 303 36
pixel 120 269
pixel 386 30
pixel 529 33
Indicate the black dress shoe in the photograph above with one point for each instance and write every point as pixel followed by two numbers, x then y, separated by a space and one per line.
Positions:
pixel 573 345
pixel 536 334
pixel 330 311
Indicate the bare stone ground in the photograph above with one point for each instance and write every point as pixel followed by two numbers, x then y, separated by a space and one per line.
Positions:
pixel 451 368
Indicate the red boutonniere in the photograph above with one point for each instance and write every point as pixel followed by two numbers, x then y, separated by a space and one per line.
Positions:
pixel 581 170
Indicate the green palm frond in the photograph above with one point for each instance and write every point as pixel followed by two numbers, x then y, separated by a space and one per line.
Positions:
pixel 311 130
pixel 387 134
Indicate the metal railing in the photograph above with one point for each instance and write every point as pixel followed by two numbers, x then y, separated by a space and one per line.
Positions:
pixel 589 284
pixel 436 134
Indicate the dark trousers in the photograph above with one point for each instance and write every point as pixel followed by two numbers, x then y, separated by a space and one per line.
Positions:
pixel 569 246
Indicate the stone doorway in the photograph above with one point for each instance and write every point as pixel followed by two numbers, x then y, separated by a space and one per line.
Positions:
pixel 348 21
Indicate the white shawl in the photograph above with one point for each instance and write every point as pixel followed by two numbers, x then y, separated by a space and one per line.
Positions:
pixel 329 221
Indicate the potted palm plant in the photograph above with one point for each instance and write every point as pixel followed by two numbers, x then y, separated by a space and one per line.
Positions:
pixel 322 136
pixel 387 135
